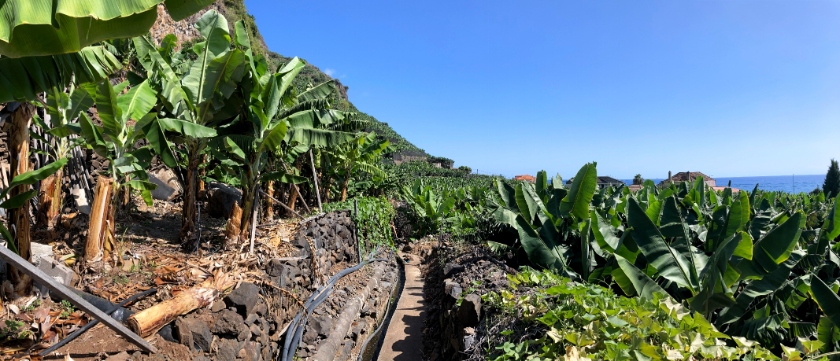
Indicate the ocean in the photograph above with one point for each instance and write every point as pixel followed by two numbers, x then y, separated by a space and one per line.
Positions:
pixel 784 183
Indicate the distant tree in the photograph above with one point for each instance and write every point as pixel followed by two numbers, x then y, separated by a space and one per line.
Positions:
pixel 816 191
pixel 831 186
pixel 465 169
pixel 638 180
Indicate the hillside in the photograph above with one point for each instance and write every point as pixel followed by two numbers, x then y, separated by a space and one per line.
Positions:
pixel 235 10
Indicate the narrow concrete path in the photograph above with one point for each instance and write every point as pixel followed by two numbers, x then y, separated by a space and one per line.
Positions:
pixel 404 338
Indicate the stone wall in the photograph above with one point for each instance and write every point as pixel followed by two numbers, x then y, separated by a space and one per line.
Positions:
pixel 455 280
pixel 251 322
pixel 400 158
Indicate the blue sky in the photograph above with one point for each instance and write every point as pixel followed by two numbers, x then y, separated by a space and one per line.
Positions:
pixel 730 88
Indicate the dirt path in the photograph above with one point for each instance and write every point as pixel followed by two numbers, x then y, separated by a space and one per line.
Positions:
pixel 404 338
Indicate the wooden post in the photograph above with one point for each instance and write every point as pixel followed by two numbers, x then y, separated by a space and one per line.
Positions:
pixel 100 219
pixel 256 207
pixel 315 179
pixel 18 143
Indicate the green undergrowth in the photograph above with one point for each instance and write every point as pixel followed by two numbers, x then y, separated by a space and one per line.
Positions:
pixel 373 221
pixel 588 322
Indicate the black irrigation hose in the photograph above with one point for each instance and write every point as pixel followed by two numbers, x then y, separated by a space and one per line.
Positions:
pixel 298 325
pixel 93 322
pixel 391 308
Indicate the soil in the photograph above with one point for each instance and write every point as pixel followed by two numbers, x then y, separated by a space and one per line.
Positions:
pixel 147 255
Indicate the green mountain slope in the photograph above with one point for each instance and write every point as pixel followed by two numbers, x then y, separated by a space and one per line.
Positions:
pixel 235 10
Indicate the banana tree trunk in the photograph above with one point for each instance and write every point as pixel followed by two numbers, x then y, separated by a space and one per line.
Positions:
pixel 248 194
pixel 327 188
pixel 125 197
pixel 50 200
pixel 18 134
pixel 250 187
pixel 202 191
pixel 344 185
pixel 101 220
pixel 232 228
pixel 292 199
pixel 269 208
pixel 297 192
pixel 188 212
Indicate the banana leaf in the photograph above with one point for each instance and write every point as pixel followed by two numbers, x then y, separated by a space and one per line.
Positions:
pixel 770 251
pixel 667 262
pixel 22 79
pixel 50 27
pixel 633 281
pixel 576 202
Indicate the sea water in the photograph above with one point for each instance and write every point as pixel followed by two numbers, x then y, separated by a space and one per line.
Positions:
pixel 784 183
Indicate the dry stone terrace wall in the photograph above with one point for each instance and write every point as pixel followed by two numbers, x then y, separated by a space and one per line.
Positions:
pixel 455 281
pixel 251 322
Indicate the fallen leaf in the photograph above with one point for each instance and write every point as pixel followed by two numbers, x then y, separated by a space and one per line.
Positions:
pixel 41 314
pixel 49 335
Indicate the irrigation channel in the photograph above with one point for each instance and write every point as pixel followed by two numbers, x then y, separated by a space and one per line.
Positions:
pixel 403 338
pixel 399 336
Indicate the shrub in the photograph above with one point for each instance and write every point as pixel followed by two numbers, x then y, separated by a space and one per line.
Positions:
pixel 373 222
pixel 831 185
pixel 585 321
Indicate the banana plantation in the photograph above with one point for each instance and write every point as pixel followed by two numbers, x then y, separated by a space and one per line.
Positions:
pixel 201 197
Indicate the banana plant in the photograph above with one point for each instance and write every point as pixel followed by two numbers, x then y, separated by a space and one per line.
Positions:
pixel 14 202
pixel 553 223
pixel 126 118
pixel 359 155
pixel 722 283
pixel 23 79
pixel 433 208
pixel 63 108
pixel 47 27
pixel 276 126
pixel 195 91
